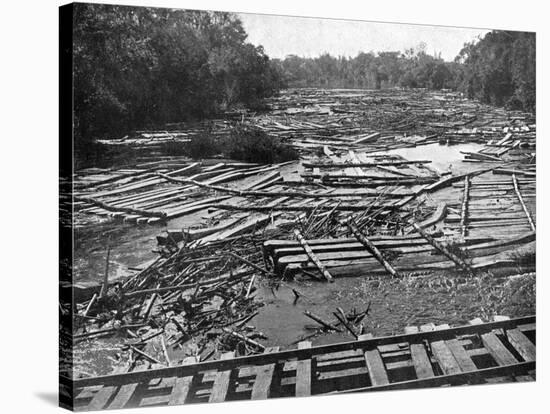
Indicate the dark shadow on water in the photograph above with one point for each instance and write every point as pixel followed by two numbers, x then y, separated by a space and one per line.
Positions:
pixel 48 397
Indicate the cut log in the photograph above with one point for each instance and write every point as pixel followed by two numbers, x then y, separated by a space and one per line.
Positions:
pixel 321 322
pixel 367 138
pixel 523 206
pixel 312 256
pixel 361 238
pixel 464 210
pixel 461 263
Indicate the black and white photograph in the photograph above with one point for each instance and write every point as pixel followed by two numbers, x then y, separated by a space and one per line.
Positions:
pixel 258 206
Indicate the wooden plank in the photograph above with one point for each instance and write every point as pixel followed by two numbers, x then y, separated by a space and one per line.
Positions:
pixel 303 373
pixel 522 344
pixel 461 356
pixel 497 350
pixel 520 198
pixel 354 160
pixel 126 391
pixel 376 368
pixel 182 385
pixel 427 327
pixel 421 361
pixel 221 383
pixel 455 379
pixel 264 379
pixel 104 394
pixel 262 359
pixel 445 358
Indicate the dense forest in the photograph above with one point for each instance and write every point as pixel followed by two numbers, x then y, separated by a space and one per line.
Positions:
pixel 138 67
pixel 142 67
pixel 498 69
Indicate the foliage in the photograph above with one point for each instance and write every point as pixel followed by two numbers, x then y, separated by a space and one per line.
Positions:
pixel 253 145
pixel 139 67
pixel 414 68
pixel 203 145
pixel 500 69
pixel 244 143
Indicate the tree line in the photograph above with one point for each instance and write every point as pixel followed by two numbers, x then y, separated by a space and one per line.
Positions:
pixel 498 69
pixel 136 67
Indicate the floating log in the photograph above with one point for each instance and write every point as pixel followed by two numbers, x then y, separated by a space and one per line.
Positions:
pixel 105 285
pixel 371 248
pixel 90 304
pixel 480 156
pixel 506 171
pixel 245 339
pixel 344 322
pixel 438 215
pixel 367 138
pixel 108 207
pixel 461 263
pixel 313 164
pixel 464 210
pixel 520 198
pixel 249 263
pixel 299 194
pixel 447 181
pixel 321 322
pixel 312 256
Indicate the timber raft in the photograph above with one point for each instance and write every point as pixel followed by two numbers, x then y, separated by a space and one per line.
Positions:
pixel 502 350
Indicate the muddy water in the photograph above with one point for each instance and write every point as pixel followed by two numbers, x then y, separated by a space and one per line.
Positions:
pixel 394 304
pixel 131 246
pixel 445 158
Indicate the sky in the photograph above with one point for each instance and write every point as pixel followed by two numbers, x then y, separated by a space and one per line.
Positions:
pixel 310 37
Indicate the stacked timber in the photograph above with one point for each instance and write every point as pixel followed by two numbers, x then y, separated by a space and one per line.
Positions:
pixel 497 204
pixel 148 195
pixel 393 254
